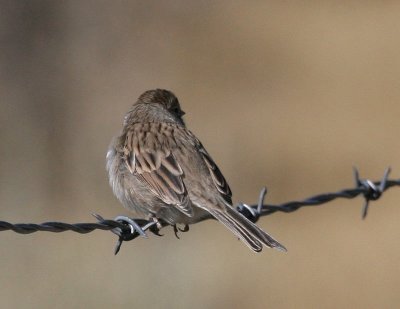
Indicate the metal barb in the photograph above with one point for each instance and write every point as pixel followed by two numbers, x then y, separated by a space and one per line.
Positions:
pixel 371 191
pixel 118 246
pixel 132 230
pixel 261 199
pixel 250 212
pixel 135 228
pixel 385 178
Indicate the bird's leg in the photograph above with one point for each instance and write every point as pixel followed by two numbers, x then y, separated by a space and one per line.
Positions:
pixel 185 228
pixel 156 221
pixel 154 225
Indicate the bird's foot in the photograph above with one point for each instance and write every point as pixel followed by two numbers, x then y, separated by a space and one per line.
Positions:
pixel 183 230
pixel 156 222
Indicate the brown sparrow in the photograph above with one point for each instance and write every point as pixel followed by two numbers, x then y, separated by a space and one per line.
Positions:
pixel 159 169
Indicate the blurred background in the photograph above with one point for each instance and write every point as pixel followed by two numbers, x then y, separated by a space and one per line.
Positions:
pixel 290 96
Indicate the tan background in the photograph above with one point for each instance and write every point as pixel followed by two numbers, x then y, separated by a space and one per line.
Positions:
pixel 285 95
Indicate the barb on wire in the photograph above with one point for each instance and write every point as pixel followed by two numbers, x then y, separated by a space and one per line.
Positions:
pixel 373 192
pixel 128 229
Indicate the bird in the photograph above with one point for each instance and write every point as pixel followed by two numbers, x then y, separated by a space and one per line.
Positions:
pixel 160 170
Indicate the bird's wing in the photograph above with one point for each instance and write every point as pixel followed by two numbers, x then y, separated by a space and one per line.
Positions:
pixel 148 155
pixel 219 180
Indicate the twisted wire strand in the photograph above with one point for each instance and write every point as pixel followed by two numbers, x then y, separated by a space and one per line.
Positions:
pixel 124 229
pixel 367 189
pixel 57 227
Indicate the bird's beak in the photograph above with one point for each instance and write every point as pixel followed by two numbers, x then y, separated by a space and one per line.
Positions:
pixel 182 113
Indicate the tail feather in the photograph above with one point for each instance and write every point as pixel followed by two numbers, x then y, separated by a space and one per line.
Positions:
pixel 246 230
pixel 239 231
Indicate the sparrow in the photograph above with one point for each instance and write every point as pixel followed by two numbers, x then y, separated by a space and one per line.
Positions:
pixel 160 170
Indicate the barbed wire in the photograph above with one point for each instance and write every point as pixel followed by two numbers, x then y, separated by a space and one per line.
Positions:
pixel 128 229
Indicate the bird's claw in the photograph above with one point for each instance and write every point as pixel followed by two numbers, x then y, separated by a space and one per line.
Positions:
pixel 154 226
pixel 183 230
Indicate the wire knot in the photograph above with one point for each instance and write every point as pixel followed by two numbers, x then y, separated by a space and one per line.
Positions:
pixel 128 229
pixel 371 191
pixel 253 213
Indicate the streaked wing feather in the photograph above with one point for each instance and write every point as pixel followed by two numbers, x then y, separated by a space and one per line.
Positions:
pixel 217 177
pixel 157 167
pixel 172 165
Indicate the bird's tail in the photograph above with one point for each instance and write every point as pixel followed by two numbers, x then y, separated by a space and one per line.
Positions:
pixel 246 230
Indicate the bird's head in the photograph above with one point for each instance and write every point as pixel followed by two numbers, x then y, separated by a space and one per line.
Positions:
pixel 156 105
pixel 165 98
